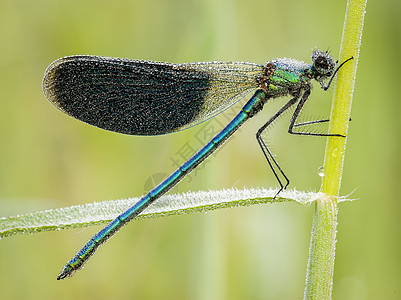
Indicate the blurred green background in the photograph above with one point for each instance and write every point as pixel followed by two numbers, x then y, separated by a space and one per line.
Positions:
pixel 49 160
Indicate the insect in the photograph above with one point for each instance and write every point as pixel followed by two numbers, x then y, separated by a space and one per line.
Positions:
pixel 151 98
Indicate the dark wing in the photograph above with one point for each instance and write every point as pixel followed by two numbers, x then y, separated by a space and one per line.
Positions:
pixel 144 97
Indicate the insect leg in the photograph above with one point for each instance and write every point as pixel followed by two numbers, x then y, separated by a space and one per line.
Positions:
pixel 296 114
pixel 266 151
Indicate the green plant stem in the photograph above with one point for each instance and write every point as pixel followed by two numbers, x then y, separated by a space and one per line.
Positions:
pixel 320 269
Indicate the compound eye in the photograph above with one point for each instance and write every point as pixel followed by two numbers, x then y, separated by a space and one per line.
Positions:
pixel 323 63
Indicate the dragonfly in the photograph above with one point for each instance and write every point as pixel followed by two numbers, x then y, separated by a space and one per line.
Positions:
pixel 149 98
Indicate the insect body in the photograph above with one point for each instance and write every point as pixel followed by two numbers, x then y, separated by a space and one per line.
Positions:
pixel 151 98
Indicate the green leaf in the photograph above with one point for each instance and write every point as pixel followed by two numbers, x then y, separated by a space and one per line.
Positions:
pixel 103 212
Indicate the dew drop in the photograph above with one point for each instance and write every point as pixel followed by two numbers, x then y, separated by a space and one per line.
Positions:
pixel 321 171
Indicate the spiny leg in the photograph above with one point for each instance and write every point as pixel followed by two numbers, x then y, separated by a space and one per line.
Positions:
pixel 266 151
pixel 296 114
pixel 311 123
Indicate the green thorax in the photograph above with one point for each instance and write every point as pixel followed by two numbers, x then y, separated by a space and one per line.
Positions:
pixel 289 75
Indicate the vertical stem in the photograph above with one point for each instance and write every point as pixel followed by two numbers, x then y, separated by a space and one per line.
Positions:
pixel 320 269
